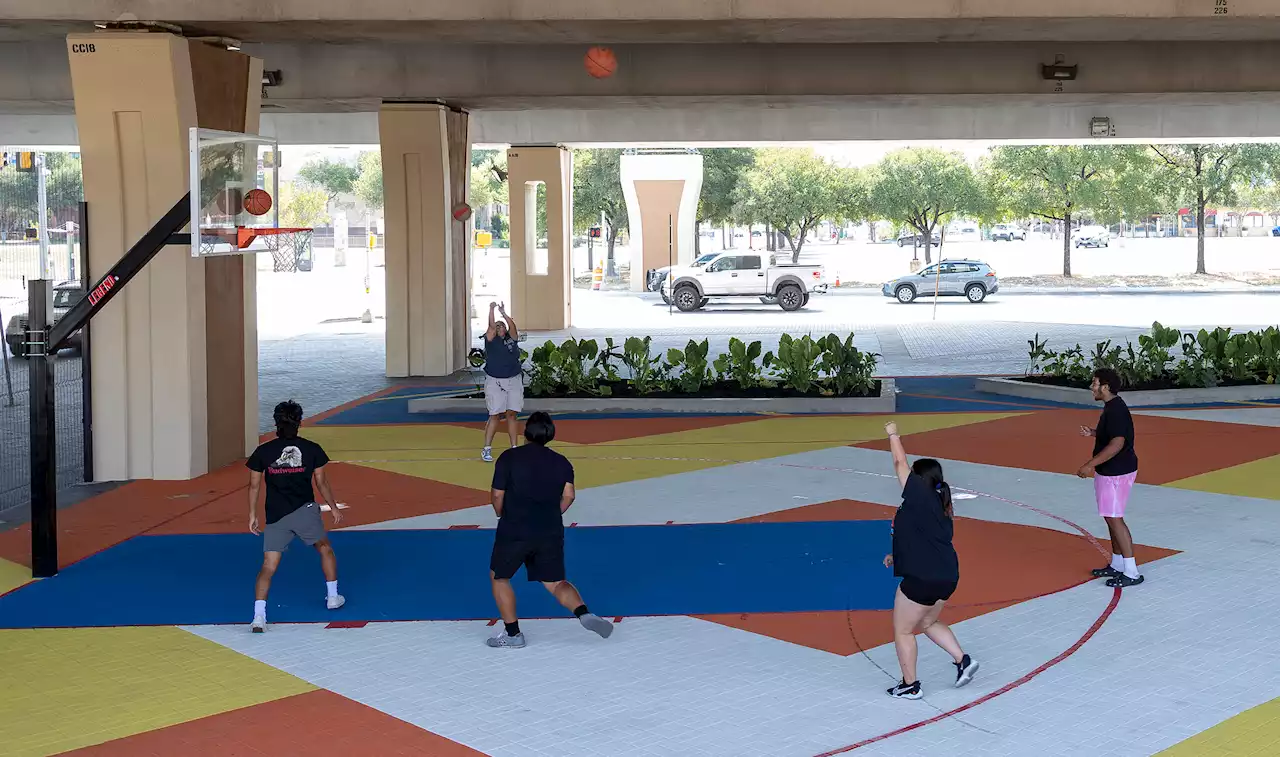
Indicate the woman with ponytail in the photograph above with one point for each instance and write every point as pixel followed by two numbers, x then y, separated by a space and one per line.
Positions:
pixel 923 556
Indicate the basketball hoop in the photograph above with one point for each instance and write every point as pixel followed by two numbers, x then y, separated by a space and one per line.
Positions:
pixel 290 247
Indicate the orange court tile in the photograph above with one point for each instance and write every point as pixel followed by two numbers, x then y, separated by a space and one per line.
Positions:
pixel 371 496
pixel 1169 449
pixel 114 516
pixel 319 723
pixel 1001 564
pixel 597 431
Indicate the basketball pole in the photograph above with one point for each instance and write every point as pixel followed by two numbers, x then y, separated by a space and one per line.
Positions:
pixel 43 343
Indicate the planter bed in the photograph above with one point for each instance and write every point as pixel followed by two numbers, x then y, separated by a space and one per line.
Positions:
pixel 1055 389
pixel 711 402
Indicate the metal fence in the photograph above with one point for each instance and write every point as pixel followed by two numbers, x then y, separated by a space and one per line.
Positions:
pixel 23 257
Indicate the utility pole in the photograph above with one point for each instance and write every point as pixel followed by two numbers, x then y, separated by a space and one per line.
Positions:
pixel 43 232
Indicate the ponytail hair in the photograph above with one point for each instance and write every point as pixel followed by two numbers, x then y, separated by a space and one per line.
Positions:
pixel 931 471
pixel 288 417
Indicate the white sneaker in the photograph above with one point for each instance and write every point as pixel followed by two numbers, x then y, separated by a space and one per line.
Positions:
pixel 258 625
pixel 335 601
pixel 502 640
pixel 486 454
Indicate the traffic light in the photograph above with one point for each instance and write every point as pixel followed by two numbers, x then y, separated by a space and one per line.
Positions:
pixel 26 161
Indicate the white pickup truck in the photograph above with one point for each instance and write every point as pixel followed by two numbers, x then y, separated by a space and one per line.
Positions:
pixel 735 274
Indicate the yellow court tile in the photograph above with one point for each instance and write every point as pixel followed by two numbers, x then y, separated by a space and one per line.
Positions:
pixel 399 442
pixel 1252 733
pixel 62 689
pixel 13 575
pixel 1253 479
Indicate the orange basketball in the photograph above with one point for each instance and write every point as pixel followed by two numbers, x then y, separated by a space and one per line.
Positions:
pixel 257 202
pixel 600 62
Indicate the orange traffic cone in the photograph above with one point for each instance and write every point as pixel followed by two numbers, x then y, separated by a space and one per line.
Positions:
pixel 837 280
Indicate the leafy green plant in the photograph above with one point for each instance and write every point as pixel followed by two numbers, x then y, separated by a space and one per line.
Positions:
pixel 695 372
pixel 848 369
pixel 739 363
pixel 1037 354
pixel 1269 354
pixel 1154 355
pixel 606 362
pixel 575 369
pixel 645 367
pixel 796 362
pixel 542 371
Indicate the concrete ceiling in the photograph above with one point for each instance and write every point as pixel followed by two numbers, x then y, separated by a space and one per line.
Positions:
pixel 795 31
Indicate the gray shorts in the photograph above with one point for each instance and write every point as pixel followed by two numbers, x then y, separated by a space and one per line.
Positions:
pixel 304 523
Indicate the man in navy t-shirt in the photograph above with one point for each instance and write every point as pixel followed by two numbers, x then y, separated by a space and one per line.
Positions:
pixel 503 382
pixel 288 465
pixel 1114 467
pixel 532 487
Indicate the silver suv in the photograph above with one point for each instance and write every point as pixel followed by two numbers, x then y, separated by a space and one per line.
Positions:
pixel 970 279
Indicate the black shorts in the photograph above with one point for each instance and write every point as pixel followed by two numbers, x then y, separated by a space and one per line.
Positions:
pixel 926 592
pixel 543 559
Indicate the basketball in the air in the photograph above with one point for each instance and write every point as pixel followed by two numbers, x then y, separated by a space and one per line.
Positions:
pixel 601 62
pixel 257 202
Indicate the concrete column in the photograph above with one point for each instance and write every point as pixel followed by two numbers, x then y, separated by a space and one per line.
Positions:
pixel 541 277
pixel 175 354
pixel 426 161
pixel 662 191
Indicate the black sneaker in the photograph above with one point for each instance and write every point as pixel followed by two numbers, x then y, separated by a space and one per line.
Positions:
pixel 965 670
pixel 1122 581
pixel 1107 572
pixel 903 691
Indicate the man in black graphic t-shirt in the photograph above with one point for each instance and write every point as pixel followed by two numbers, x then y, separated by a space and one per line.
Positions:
pixel 287 465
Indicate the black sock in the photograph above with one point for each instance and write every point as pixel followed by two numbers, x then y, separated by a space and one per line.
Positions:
pixel 580 611
pixel 513 629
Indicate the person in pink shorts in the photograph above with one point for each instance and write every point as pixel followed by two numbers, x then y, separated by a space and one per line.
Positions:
pixel 1114 467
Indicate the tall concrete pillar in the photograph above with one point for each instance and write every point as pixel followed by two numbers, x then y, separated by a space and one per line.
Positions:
pixel 662 189
pixel 426 170
pixel 541 272
pixel 175 373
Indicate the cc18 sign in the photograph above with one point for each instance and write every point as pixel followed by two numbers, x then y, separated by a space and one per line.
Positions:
pixel 82 47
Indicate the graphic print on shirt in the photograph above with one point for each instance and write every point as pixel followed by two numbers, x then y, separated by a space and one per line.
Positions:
pixel 290 461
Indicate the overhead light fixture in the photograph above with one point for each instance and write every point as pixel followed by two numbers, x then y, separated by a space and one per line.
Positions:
pixel 272 78
pixel 1059 72
pixel 100 24
pixel 1101 127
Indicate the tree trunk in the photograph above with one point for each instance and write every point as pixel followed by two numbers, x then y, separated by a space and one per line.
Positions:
pixel 697 239
pixel 795 245
pixel 769 245
pixel 610 269
pixel 1200 201
pixel 1066 245
pixel 724 237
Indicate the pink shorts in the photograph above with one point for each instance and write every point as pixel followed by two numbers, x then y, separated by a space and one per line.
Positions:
pixel 1113 493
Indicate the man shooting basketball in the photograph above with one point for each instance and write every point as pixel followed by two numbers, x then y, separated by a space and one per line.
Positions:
pixel 1114 467
pixel 503 384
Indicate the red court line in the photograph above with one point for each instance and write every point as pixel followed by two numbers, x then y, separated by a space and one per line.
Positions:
pixel 348 624
pixel 1093 629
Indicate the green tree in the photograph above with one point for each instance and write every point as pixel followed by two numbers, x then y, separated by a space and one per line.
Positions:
pixel 922 188
pixel 597 189
pixel 1263 194
pixel 334 177
pixel 1204 174
pixel 303 207
pixel 368 185
pixel 723 171
pixel 791 189
pixel 853 198
pixel 1057 182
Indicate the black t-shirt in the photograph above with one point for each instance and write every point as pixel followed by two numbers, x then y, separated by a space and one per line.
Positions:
pixel 287 465
pixel 533 478
pixel 1116 422
pixel 922 535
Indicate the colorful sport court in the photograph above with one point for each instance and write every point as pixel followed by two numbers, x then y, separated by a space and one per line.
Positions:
pixel 740 556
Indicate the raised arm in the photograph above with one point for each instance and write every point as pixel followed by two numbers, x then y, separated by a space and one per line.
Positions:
pixel 492 331
pixel 511 323
pixel 900 465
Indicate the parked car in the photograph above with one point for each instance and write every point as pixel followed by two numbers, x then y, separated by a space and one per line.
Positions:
pixel 971 279
pixel 65 296
pixel 659 275
pixel 1091 236
pixel 917 240
pixel 1003 232
pixel 733 274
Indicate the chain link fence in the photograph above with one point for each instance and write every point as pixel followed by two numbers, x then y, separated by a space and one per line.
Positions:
pixel 23 257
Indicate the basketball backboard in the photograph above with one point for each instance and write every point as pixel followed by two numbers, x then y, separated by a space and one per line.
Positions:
pixel 230 172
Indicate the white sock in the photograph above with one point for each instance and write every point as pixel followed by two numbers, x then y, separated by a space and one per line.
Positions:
pixel 331 587
pixel 260 609
pixel 1131 567
pixel 1117 562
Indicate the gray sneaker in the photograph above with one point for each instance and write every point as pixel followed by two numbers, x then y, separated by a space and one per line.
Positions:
pixel 486 454
pixel 593 622
pixel 503 640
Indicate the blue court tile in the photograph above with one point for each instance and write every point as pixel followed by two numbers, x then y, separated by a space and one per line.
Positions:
pixel 443 575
